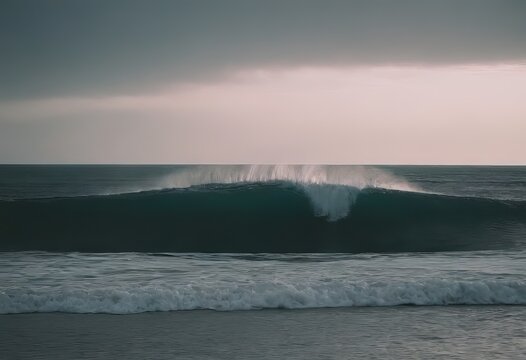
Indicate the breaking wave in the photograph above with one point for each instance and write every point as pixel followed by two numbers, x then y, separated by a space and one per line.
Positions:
pixel 271 216
pixel 331 189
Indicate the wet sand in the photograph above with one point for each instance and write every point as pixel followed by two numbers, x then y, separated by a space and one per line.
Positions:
pixel 404 332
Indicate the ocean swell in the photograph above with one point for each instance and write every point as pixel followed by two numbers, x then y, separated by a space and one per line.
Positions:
pixel 262 217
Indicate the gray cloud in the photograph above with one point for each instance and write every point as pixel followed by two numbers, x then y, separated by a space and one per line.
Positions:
pixel 56 48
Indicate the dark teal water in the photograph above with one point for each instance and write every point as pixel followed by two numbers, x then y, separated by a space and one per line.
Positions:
pixel 278 209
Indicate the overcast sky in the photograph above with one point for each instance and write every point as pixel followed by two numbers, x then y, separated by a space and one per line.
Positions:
pixel 358 82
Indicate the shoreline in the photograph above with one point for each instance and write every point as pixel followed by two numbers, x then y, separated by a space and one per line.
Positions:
pixel 402 332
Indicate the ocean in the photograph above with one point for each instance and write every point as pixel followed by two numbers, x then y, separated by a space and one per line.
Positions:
pixel 262 261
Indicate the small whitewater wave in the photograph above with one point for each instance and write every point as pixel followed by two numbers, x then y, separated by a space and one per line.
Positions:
pixel 265 295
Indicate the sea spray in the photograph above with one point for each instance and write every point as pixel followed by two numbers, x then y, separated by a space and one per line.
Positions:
pixel 332 190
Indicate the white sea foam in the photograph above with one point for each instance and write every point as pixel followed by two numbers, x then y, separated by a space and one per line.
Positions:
pixel 331 189
pixel 136 282
pixel 276 294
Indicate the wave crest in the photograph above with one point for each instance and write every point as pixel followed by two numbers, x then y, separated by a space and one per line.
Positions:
pixel 359 177
pixel 332 190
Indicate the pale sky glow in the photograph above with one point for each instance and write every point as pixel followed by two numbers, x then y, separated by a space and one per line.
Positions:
pixel 275 81
pixel 382 114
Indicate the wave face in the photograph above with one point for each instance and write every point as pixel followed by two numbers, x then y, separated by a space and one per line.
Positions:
pixel 257 213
